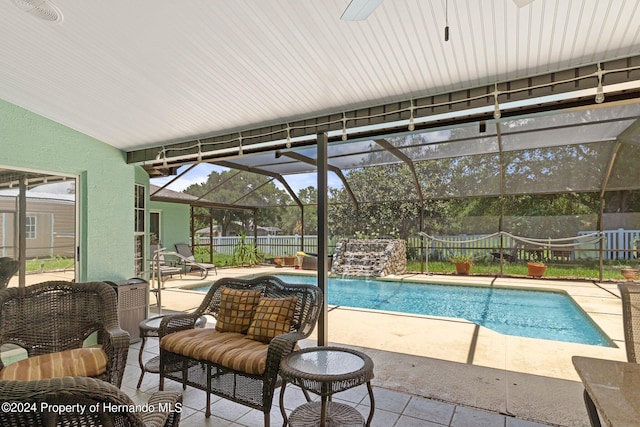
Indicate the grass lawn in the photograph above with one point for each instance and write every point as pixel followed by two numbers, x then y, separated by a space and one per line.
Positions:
pixel 611 270
pixel 560 270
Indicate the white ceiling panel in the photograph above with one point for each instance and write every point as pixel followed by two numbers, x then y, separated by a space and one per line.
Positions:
pixel 146 72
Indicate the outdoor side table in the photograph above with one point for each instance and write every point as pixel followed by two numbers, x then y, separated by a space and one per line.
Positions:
pixel 148 329
pixel 325 371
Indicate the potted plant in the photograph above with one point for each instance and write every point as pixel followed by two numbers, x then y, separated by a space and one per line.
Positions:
pixel 246 253
pixel 629 273
pixel 463 264
pixel 536 269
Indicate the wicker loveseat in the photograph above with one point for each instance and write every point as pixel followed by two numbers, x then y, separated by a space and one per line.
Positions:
pixel 258 322
pixel 86 402
pixel 51 321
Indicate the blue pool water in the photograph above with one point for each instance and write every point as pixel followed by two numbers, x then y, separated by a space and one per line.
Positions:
pixel 533 314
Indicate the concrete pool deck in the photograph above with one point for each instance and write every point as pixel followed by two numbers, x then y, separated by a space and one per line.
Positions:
pixel 456 361
pixel 459 362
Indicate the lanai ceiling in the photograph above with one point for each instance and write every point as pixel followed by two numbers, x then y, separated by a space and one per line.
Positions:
pixel 146 73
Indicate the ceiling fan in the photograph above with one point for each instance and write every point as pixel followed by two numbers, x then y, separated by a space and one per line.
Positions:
pixel 359 10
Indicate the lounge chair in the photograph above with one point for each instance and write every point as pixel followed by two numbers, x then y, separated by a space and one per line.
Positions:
pixel 185 256
pixel 159 261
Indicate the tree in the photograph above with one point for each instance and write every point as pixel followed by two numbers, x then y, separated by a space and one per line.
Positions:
pixel 244 188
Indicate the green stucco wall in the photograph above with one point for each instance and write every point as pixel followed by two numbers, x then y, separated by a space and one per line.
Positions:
pixel 104 192
pixel 174 224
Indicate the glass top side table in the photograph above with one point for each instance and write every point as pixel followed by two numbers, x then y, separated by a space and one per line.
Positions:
pixel 149 328
pixel 325 371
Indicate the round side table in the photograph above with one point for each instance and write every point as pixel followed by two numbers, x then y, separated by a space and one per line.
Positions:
pixel 148 329
pixel 325 371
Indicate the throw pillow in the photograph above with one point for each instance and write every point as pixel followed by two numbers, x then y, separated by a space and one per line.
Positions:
pixel 273 316
pixel 236 309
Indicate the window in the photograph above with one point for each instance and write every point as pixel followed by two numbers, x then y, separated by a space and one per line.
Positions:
pixel 139 229
pixel 31 227
pixel 154 227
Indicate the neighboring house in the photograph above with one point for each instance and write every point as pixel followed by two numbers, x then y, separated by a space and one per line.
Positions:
pixel 50 224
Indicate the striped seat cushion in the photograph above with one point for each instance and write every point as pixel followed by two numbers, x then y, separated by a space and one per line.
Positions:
pixel 78 362
pixel 227 349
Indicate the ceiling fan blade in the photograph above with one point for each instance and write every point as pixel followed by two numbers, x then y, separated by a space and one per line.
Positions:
pixel 522 3
pixel 359 10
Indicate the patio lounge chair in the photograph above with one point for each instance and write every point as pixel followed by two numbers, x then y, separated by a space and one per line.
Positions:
pixel 166 268
pixel 8 267
pixel 186 257
pixel 259 321
pixel 52 320
pixel 96 397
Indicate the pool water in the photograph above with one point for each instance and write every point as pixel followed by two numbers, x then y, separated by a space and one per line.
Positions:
pixel 533 314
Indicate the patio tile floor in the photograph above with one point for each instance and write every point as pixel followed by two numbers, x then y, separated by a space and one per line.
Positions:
pixel 393 409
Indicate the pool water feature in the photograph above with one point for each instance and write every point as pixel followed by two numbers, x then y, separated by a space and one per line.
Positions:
pixel 534 314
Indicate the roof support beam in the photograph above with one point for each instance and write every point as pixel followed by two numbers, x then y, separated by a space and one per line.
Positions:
pixel 323 238
pixel 335 170
pixel 232 165
pixel 399 154
pixel 177 177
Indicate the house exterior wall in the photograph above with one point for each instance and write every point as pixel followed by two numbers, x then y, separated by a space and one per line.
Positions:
pixel 174 223
pixel 104 192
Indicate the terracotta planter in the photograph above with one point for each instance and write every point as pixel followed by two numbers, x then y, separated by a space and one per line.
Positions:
pixel 463 267
pixel 630 274
pixel 536 269
pixel 289 261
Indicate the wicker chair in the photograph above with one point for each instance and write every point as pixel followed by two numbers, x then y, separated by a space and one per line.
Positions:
pixel 631 320
pixel 53 317
pixel 630 294
pixel 8 267
pixel 91 402
pixel 252 390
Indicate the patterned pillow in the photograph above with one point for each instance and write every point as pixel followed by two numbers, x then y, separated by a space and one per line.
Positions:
pixel 236 309
pixel 273 317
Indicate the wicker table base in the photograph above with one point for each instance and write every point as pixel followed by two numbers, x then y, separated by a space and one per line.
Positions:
pixel 325 371
pixel 338 415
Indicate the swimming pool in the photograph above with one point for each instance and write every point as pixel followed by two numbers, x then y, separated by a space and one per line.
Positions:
pixel 533 314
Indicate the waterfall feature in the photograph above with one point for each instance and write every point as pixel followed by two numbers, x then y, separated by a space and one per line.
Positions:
pixel 369 258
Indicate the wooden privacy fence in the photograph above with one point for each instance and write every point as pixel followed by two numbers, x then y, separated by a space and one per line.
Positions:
pixel 620 243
